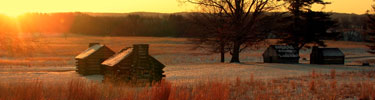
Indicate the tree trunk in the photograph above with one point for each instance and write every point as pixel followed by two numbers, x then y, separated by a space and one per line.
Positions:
pixel 236 53
pixel 222 53
pixel 222 57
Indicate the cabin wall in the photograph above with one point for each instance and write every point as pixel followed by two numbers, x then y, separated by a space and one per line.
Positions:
pixel 126 66
pixel 143 66
pixel 81 64
pixel 112 74
pixel 138 68
pixel 333 60
pixel 316 57
pixel 269 55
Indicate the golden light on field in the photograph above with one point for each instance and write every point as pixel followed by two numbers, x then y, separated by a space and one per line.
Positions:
pixel 17 7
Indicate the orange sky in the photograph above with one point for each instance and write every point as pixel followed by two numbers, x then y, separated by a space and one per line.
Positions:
pixel 16 7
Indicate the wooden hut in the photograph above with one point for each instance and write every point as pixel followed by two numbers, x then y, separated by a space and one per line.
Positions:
pixel 89 61
pixel 281 54
pixel 327 56
pixel 133 64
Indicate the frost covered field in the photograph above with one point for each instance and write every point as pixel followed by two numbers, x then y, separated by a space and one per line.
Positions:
pixel 51 59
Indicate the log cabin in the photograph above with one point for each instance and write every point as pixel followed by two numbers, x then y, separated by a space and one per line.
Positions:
pixel 326 56
pixel 133 65
pixel 89 61
pixel 281 54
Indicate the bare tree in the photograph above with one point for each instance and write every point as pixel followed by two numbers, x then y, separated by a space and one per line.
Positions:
pixel 239 26
pixel 210 31
pixel 370 25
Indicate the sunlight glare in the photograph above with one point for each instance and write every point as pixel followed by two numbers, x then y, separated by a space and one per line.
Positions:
pixel 13 14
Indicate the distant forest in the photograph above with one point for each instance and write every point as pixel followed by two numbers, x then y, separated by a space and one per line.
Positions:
pixel 125 24
pixel 81 23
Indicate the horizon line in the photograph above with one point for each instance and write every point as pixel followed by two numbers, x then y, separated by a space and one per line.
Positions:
pixel 143 12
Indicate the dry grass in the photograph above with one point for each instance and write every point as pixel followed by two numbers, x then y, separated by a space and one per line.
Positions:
pixel 315 86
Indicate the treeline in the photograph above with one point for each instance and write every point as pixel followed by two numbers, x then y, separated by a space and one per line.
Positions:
pixel 133 24
pixel 347 21
pixel 79 23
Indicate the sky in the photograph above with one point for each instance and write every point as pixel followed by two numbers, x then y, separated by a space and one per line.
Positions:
pixel 17 7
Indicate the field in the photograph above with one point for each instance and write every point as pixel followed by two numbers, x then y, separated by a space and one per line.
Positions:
pixel 44 63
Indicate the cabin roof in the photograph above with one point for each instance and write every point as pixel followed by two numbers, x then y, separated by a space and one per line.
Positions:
pixel 286 51
pixel 331 52
pixel 117 57
pixel 89 51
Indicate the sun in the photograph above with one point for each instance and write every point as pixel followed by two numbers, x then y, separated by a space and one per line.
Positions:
pixel 13 14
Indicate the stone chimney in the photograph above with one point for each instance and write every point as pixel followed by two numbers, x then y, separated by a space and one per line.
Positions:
pixel 140 49
pixel 92 44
